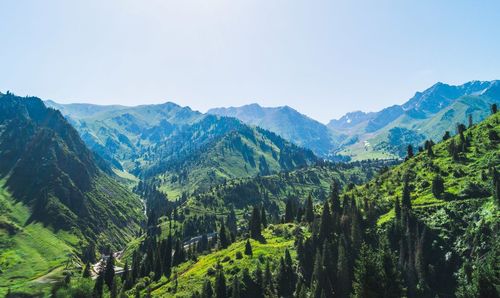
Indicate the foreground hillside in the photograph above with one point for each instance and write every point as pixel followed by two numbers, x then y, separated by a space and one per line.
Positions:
pixel 58 203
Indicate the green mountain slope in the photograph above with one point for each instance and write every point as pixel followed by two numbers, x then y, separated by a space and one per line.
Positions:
pixel 216 149
pixel 449 245
pixel 273 191
pixel 181 150
pixel 56 200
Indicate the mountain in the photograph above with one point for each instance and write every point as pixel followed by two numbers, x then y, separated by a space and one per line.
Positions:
pixel 55 194
pixel 427 115
pixel 424 228
pixel 183 151
pixel 286 122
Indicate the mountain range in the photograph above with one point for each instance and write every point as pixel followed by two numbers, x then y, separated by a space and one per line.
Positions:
pixel 354 136
pixel 174 200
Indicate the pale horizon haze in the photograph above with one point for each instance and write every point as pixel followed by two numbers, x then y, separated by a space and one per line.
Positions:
pixel 322 58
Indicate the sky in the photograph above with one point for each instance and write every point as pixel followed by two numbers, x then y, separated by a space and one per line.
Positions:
pixel 323 58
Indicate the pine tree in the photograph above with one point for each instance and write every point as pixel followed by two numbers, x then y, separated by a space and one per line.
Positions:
pixel 248 248
pixel 86 271
pixel 309 210
pixel 268 279
pixel 207 291
pixel 109 272
pixel 343 284
pixel 235 288
pixel 231 222
pixel 167 261
pixel 220 285
pixel 494 109
pixel 406 199
pixel 409 151
pixel 397 209
pixel 255 224
pixel 367 275
pixel 471 123
pixel 335 197
pixel 446 136
pixel 125 273
pixel 289 214
pixel 99 285
pixel 223 240
pixel 326 224
pixel 437 186
pixel 263 217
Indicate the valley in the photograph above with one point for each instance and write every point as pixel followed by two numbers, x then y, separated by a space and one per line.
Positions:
pixel 207 205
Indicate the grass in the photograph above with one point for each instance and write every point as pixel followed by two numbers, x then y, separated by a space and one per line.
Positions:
pixel 31 252
pixel 192 275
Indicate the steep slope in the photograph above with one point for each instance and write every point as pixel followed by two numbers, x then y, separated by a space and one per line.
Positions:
pixel 53 186
pixel 121 135
pixel 181 150
pixel 273 191
pixel 286 122
pixel 454 195
pixel 427 115
pixel 218 149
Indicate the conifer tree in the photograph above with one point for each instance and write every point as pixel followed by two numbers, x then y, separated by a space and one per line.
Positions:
pixel 220 284
pixel 86 271
pixel 235 288
pixel 125 273
pixel 223 240
pixel 446 136
pixel 263 217
pixel 367 275
pixel 437 186
pixel 207 291
pixel 494 109
pixel 255 224
pixel 326 224
pixel 268 279
pixel 231 222
pixel 167 262
pixel 289 214
pixel 409 152
pixel 248 248
pixel 406 199
pixel 99 285
pixel 109 271
pixel 335 197
pixel 309 210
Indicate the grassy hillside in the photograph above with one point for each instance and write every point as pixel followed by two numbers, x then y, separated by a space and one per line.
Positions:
pixel 30 253
pixel 191 275
pixel 243 152
pixel 274 190
pixel 57 202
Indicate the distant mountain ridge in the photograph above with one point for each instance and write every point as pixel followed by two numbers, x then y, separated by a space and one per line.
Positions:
pixel 184 151
pixel 427 114
pixel 286 122
pixel 356 135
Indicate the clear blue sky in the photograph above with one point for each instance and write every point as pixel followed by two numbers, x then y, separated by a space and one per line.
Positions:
pixel 324 58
